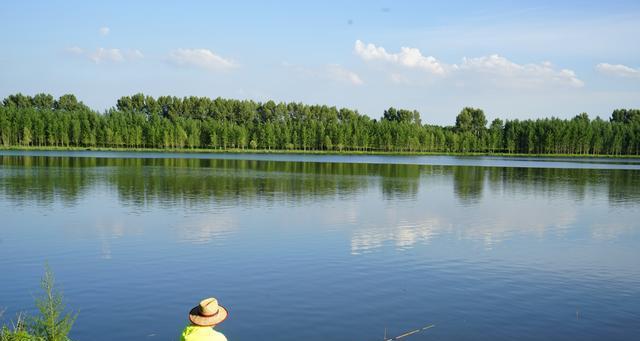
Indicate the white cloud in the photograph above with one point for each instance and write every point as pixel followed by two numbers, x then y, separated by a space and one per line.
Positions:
pixel 104 31
pixel 399 78
pixel 134 54
pixel 521 74
pixel 101 54
pixel 200 58
pixel 75 50
pixel 340 74
pixel 618 70
pixel 408 57
pixel 329 72
pixel 500 68
pixel 114 55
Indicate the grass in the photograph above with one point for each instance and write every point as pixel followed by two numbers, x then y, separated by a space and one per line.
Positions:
pixel 309 152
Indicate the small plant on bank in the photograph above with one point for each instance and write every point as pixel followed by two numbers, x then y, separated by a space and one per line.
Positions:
pixel 17 331
pixel 52 323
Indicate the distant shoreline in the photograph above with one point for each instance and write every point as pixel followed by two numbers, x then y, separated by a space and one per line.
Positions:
pixel 309 152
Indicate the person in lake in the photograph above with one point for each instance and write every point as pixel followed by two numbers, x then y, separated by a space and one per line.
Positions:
pixel 204 317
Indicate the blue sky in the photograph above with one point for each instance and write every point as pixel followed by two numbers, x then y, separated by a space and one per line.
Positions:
pixel 514 59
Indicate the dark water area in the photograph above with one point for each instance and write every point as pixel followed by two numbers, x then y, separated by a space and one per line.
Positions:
pixel 304 247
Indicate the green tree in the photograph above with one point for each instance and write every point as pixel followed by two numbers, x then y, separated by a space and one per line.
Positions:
pixel 68 102
pixel 26 136
pixel 471 120
pixel 328 145
pixel 625 115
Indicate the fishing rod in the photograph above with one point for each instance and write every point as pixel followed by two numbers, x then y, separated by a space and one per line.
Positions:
pixel 411 332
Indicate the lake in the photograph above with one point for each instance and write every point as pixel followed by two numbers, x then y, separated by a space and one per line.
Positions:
pixel 326 247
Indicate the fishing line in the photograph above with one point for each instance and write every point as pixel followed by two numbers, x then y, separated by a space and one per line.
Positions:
pixel 411 332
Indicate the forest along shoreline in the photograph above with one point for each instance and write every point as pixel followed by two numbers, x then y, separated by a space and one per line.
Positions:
pixel 202 124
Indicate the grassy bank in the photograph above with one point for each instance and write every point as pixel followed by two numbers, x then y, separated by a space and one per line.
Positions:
pixel 309 152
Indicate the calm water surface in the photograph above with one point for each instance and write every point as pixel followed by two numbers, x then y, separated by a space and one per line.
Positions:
pixel 303 247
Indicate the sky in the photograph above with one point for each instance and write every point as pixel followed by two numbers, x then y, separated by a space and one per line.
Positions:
pixel 513 59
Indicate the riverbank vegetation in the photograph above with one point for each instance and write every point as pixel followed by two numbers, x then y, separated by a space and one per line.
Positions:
pixel 170 123
pixel 52 323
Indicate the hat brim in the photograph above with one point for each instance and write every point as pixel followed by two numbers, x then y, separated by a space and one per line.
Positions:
pixel 207 321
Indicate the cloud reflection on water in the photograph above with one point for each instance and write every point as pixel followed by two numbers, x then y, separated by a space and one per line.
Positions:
pixel 487 205
pixel 206 229
pixel 403 236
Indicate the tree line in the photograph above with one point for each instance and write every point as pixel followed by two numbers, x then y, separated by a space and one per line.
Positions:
pixel 169 122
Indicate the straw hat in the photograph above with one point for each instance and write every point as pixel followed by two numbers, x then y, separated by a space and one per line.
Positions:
pixel 208 313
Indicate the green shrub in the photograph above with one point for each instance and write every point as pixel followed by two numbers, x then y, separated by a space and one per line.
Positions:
pixel 52 323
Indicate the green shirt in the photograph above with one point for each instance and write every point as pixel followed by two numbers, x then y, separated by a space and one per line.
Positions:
pixel 197 333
